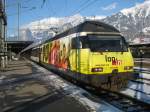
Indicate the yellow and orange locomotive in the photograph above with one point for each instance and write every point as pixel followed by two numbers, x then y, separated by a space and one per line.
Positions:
pixel 92 52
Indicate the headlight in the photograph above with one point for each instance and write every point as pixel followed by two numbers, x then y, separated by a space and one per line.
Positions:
pixel 128 67
pixel 97 69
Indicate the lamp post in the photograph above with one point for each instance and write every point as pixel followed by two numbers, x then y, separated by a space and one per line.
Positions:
pixel 141 61
pixel 18 20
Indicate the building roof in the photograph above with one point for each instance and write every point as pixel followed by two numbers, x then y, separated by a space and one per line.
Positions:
pixel 140 44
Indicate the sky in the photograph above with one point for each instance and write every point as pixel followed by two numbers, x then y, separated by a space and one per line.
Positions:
pixel 33 10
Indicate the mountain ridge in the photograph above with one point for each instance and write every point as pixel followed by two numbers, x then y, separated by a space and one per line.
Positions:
pixel 135 19
pixel 132 22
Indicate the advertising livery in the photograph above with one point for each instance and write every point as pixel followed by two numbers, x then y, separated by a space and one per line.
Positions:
pixel 92 52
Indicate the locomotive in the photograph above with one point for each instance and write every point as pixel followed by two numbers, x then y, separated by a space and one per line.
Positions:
pixel 92 52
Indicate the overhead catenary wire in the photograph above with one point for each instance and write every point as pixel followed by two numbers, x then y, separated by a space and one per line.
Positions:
pixel 52 12
pixel 88 3
pixel 16 3
pixel 66 5
pixel 82 5
pixel 63 9
pixel 23 7
pixel 11 5
pixel 44 1
pixel 14 14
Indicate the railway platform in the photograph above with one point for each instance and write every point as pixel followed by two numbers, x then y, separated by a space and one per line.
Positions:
pixel 143 63
pixel 22 90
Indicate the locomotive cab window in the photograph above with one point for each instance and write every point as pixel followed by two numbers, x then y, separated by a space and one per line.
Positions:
pixel 85 42
pixel 107 43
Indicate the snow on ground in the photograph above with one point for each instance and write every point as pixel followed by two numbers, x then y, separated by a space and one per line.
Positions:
pixel 144 81
pixel 142 91
pixel 144 75
pixel 143 61
pixel 138 90
pixel 2 78
pixel 140 87
pixel 138 95
pixel 142 58
pixel 75 92
pixel 143 69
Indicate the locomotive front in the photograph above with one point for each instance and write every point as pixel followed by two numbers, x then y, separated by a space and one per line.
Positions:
pixel 103 59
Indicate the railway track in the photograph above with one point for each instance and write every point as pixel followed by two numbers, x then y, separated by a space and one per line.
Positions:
pixel 140 78
pixel 139 88
pixel 122 101
pixel 141 81
pixel 119 100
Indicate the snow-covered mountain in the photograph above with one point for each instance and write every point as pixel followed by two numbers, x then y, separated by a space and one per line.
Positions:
pixel 48 27
pixel 132 22
pixel 26 35
pixel 45 28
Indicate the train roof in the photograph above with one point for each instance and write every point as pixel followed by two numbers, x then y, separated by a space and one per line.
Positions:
pixel 87 26
pixel 90 26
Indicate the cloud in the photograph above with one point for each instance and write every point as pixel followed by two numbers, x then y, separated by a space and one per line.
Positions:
pixel 110 6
